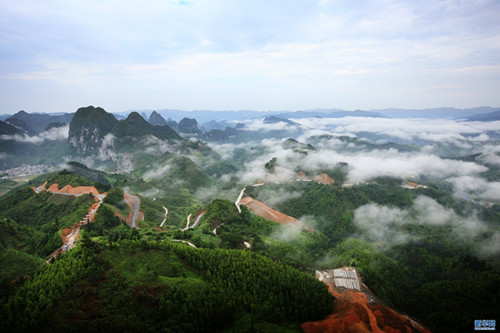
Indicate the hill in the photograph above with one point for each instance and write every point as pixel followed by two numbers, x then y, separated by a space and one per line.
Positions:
pixel 136 126
pixel 36 123
pixel 9 129
pixel 156 119
pixel 88 128
pixel 490 116
pixel 176 287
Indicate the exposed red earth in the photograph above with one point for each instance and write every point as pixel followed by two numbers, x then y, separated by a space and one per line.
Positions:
pixel 266 212
pixel 262 210
pixel 131 203
pixel 323 178
pixel 360 311
pixel 68 189
pixel 69 236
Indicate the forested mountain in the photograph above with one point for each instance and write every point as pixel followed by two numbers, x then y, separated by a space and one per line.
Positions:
pixel 136 126
pixel 152 229
pixel 35 123
pixel 156 119
pixel 9 129
pixel 88 128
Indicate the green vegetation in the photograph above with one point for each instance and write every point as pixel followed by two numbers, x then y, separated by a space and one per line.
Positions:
pixel 251 274
pixel 176 288
pixel 92 117
pixel 136 126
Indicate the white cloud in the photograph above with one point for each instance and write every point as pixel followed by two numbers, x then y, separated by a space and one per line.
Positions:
pixel 476 187
pixel 53 134
pixel 406 129
pixel 260 125
pixel 157 172
pixel 250 55
pixel 386 224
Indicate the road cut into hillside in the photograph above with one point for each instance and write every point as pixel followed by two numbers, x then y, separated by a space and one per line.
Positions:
pixel 356 309
pixel 262 210
pixel 135 214
pixel 69 190
pixel 259 208
pixel 69 236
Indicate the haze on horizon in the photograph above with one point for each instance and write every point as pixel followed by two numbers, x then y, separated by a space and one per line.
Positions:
pixel 56 56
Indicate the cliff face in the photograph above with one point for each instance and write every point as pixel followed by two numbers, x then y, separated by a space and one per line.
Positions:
pixel 156 119
pixel 88 128
pixel 188 126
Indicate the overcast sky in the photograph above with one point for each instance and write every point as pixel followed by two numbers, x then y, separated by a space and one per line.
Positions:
pixel 56 56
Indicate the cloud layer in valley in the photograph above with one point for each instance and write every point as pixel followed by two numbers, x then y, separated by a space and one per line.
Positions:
pixel 55 133
pixel 384 224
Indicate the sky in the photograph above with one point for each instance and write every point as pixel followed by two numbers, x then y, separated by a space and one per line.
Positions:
pixel 56 56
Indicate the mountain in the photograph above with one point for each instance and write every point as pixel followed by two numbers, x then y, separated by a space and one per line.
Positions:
pixel 275 120
pixel 324 113
pixel 435 113
pixel 156 119
pixel 34 123
pixel 90 125
pixel 136 126
pixel 188 126
pixel 216 135
pixel 88 128
pixel 9 129
pixel 490 116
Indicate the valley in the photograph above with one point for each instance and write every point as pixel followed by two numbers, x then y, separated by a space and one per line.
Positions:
pixel 282 223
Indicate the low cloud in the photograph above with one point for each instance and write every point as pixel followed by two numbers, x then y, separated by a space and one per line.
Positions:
pixel 157 172
pixel 53 134
pixel 260 125
pixel 287 233
pixel 476 188
pixel 152 193
pixel 107 149
pixel 387 224
pixel 490 247
pixel 404 129
pixel 275 197
pixel 363 165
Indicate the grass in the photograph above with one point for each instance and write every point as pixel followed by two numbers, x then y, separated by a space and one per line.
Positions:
pixel 153 267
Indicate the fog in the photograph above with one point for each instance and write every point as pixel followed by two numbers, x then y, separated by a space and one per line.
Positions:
pixel 55 133
pixel 436 139
pixel 384 224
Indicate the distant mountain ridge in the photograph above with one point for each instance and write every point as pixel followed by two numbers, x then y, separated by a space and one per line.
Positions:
pixel 90 125
pixel 88 128
pixel 491 116
pixel 34 123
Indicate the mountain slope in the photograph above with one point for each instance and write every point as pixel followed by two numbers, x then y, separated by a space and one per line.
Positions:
pixel 136 126
pixel 88 128
pixel 34 123
pixel 156 119
pixel 9 129
pixel 144 286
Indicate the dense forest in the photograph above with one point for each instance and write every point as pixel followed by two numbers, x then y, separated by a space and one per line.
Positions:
pixel 247 273
pixel 136 285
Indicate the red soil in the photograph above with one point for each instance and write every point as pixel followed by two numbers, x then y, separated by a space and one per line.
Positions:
pixel 354 313
pixel 266 212
pixel 75 229
pixel 130 202
pixel 68 189
pixel 324 179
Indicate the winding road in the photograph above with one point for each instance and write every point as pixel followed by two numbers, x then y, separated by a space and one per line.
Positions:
pixel 166 212
pixel 135 213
